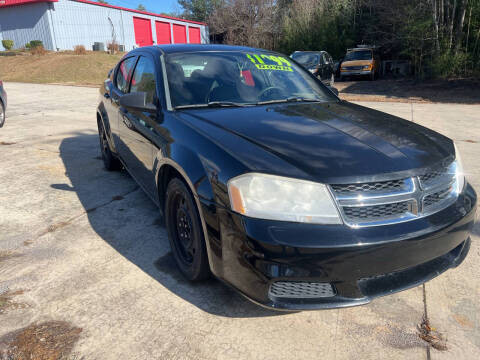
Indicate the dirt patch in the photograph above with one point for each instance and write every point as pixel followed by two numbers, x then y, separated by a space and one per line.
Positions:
pixel 59 67
pixel 52 340
pixel 433 337
pixel 8 303
pixel 5 255
pixel 462 91
pixel 6 143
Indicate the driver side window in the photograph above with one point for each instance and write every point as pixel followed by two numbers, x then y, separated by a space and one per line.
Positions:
pixel 143 79
pixel 123 74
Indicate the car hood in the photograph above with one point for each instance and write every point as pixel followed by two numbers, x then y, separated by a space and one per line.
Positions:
pixel 328 142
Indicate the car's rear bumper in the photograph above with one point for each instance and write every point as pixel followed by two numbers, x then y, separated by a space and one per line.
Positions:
pixel 359 264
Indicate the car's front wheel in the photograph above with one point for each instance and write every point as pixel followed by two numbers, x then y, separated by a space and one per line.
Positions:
pixel 2 114
pixel 109 160
pixel 185 231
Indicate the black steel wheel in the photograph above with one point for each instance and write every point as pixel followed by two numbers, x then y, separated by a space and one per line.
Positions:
pixel 2 114
pixel 185 232
pixel 109 160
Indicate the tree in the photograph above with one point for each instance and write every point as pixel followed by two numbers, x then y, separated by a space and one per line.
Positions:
pixel 102 2
pixel 199 10
pixel 140 7
pixel 247 22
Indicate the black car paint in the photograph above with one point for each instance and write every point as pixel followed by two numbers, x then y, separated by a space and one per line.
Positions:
pixel 347 143
pixel 323 70
pixel 3 98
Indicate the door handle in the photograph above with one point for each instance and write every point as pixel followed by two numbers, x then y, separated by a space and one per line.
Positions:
pixel 127 122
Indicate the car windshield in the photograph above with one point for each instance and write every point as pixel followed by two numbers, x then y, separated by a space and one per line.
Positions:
pixel 306 58
pixel 230 78
pixel 358 55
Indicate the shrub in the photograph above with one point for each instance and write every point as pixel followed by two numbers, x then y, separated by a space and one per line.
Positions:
pixel 112 47
pixel 79 50
pixel 7 44
pixel 38 50
pixel 36 43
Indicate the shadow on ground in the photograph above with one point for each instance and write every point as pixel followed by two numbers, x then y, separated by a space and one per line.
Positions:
pixel 460 91
pixel 123 216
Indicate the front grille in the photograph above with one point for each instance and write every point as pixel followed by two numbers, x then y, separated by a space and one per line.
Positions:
pixel 300 289
pixel 435 177
pixel 352 67
pixel 384 211
pixel 372 186
pixel 388 202
pixel 436 197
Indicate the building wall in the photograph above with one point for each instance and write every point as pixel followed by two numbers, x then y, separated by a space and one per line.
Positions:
pixel 25 23
pixel 77 23
pixel 64 24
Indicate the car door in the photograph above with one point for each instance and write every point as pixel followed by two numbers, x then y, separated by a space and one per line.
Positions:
pixel 136 127
pixel 121 80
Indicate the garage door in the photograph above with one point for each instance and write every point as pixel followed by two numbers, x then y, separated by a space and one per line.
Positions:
pixel 179 34
pixel 143 31
pixel 194 35
pixel 163 32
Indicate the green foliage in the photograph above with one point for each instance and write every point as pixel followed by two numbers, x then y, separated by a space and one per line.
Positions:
pixel 7 44
pixel 199 10
pixel 33 44
pixel 141 7
pixel 450 65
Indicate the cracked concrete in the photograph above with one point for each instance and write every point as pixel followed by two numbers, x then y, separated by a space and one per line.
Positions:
pixel 90 250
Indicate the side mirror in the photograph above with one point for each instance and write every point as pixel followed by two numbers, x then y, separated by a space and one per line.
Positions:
pixel 137 101
pixel 333 89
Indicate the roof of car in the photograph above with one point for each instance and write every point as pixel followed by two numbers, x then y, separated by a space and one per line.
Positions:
pixel 182 48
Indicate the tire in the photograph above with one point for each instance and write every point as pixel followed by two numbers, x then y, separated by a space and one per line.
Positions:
pixel 185 232
pixel 2 114
pixel 110 162
pixel 372 76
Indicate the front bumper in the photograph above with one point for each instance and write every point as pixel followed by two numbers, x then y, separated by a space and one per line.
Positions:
pixel 359 264
pixel 355 72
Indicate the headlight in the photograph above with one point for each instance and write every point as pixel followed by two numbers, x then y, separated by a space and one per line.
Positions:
pixel 281 198
pixel 459 174
pixel 367 67
pixel 312 70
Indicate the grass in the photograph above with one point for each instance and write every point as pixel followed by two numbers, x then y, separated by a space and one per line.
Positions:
pixel 61 68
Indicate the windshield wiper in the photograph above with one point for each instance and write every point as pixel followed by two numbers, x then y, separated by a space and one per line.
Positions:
pixel 213 104
pixel 290 99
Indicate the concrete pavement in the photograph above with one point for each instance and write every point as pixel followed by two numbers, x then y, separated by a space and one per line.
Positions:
pixel 87 247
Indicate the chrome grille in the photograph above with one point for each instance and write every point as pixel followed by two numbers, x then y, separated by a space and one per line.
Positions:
pixel 436 197
pixel 375 212
pixel 300 289
pixel 373 186
pixel 352 67
pixel 398 200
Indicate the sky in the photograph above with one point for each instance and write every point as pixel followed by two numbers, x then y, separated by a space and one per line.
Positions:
pixel 156 6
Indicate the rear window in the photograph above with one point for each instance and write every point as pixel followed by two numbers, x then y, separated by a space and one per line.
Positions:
pixel 306 58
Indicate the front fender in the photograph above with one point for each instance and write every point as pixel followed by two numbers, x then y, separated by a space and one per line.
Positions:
pixel 197 177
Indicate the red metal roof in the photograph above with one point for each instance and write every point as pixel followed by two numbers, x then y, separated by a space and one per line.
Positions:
pixel 5 3
pixel 133 10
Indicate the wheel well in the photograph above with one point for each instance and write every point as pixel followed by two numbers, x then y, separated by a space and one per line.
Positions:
pixel 167 173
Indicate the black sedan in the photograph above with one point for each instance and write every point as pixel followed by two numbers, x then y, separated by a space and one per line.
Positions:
pixel 272 184
pixel 3 103
pixel 319 63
